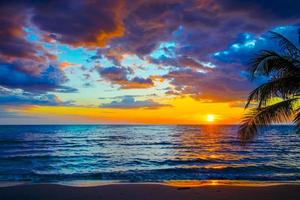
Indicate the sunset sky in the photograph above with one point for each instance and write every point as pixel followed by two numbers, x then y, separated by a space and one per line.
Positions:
pixel 134 61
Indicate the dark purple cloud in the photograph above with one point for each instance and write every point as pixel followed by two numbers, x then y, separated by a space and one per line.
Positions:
pixel 228 81
pixel 140 25
pixel 80 23
pixel 217 85
pixel 25 64
pixel 202 30
pixel 280 10
pixel 14 18
pixel 121 76
pixel 208 25
pixel 12 41
pixel 130 102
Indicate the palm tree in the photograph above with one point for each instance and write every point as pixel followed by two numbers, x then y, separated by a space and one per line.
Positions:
pixel 277 100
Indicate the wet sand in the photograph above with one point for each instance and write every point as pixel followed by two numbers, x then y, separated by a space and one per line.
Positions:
pixel 149 192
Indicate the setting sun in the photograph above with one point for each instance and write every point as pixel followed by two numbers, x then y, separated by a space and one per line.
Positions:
pixel 210 118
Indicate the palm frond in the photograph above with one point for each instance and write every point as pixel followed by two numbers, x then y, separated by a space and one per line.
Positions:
pixel 286 45
pixel 297 120
pixel 283 87
pixel 284 70
pixel 276 113
pixel 269 61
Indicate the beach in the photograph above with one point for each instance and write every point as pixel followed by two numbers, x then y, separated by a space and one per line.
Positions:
pixel 149 192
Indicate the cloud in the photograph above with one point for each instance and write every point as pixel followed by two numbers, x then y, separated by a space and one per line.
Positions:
pixel 12 41
pixel 120 77
pixel 128 102
pixel 49 79
pixel 200 26
pixel 81 23
pixel 280 10
pixel 205 33
pixel 140 26
pixel 65 64
pixel 216 86
pixel 19 97
pixel 246 45
pixel 25 64
pixel 14 46
pixel 200 30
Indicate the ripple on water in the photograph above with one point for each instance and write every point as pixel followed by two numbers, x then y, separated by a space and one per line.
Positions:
pixel 146 153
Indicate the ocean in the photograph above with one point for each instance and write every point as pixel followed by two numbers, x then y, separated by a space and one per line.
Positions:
pixel 146 153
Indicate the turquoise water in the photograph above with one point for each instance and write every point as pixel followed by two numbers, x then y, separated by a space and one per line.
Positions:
pixel 146 153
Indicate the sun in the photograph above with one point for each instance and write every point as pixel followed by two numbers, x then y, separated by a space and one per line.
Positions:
pixel 210 118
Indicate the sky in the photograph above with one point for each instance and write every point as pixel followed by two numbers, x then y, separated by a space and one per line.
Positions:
pixel 134 61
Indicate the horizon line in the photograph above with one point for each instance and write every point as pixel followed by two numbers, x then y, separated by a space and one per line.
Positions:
pixel 129 124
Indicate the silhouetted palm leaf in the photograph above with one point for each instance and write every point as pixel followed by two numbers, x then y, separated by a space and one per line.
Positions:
pixel 269 61
pixel 276 113
pixel 283 85
pixel 297 120
pixel 286 45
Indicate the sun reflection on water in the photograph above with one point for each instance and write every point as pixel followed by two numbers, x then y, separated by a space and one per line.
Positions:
pixel 206 143
pixel 197 183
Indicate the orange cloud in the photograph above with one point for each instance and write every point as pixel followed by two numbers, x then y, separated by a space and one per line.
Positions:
pixel 66 64
pixel 136 84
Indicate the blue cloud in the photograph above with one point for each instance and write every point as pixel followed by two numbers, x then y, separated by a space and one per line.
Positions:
pixel 13 97
pixel 14 75
pixel 246 45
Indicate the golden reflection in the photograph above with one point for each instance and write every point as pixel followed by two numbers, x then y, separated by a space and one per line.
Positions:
pixel 206 143
pixel 212 147
pixel 197 183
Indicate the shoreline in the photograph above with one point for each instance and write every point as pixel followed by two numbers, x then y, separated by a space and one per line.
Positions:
pixel 148 191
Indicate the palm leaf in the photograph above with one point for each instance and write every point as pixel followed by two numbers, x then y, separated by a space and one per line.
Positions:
pixel 286 45
pixel 268 62
pixel 284 83
pixel 297 120
pixel 276 113
pixel 283 87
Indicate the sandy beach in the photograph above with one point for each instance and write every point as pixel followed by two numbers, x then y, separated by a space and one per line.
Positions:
pixel 149 192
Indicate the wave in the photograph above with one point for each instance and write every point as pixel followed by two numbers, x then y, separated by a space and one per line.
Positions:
pixel 228 173
pixel 146 153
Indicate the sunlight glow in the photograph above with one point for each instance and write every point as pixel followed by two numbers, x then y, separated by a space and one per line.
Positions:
pixel 210 118
pixel 182 111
